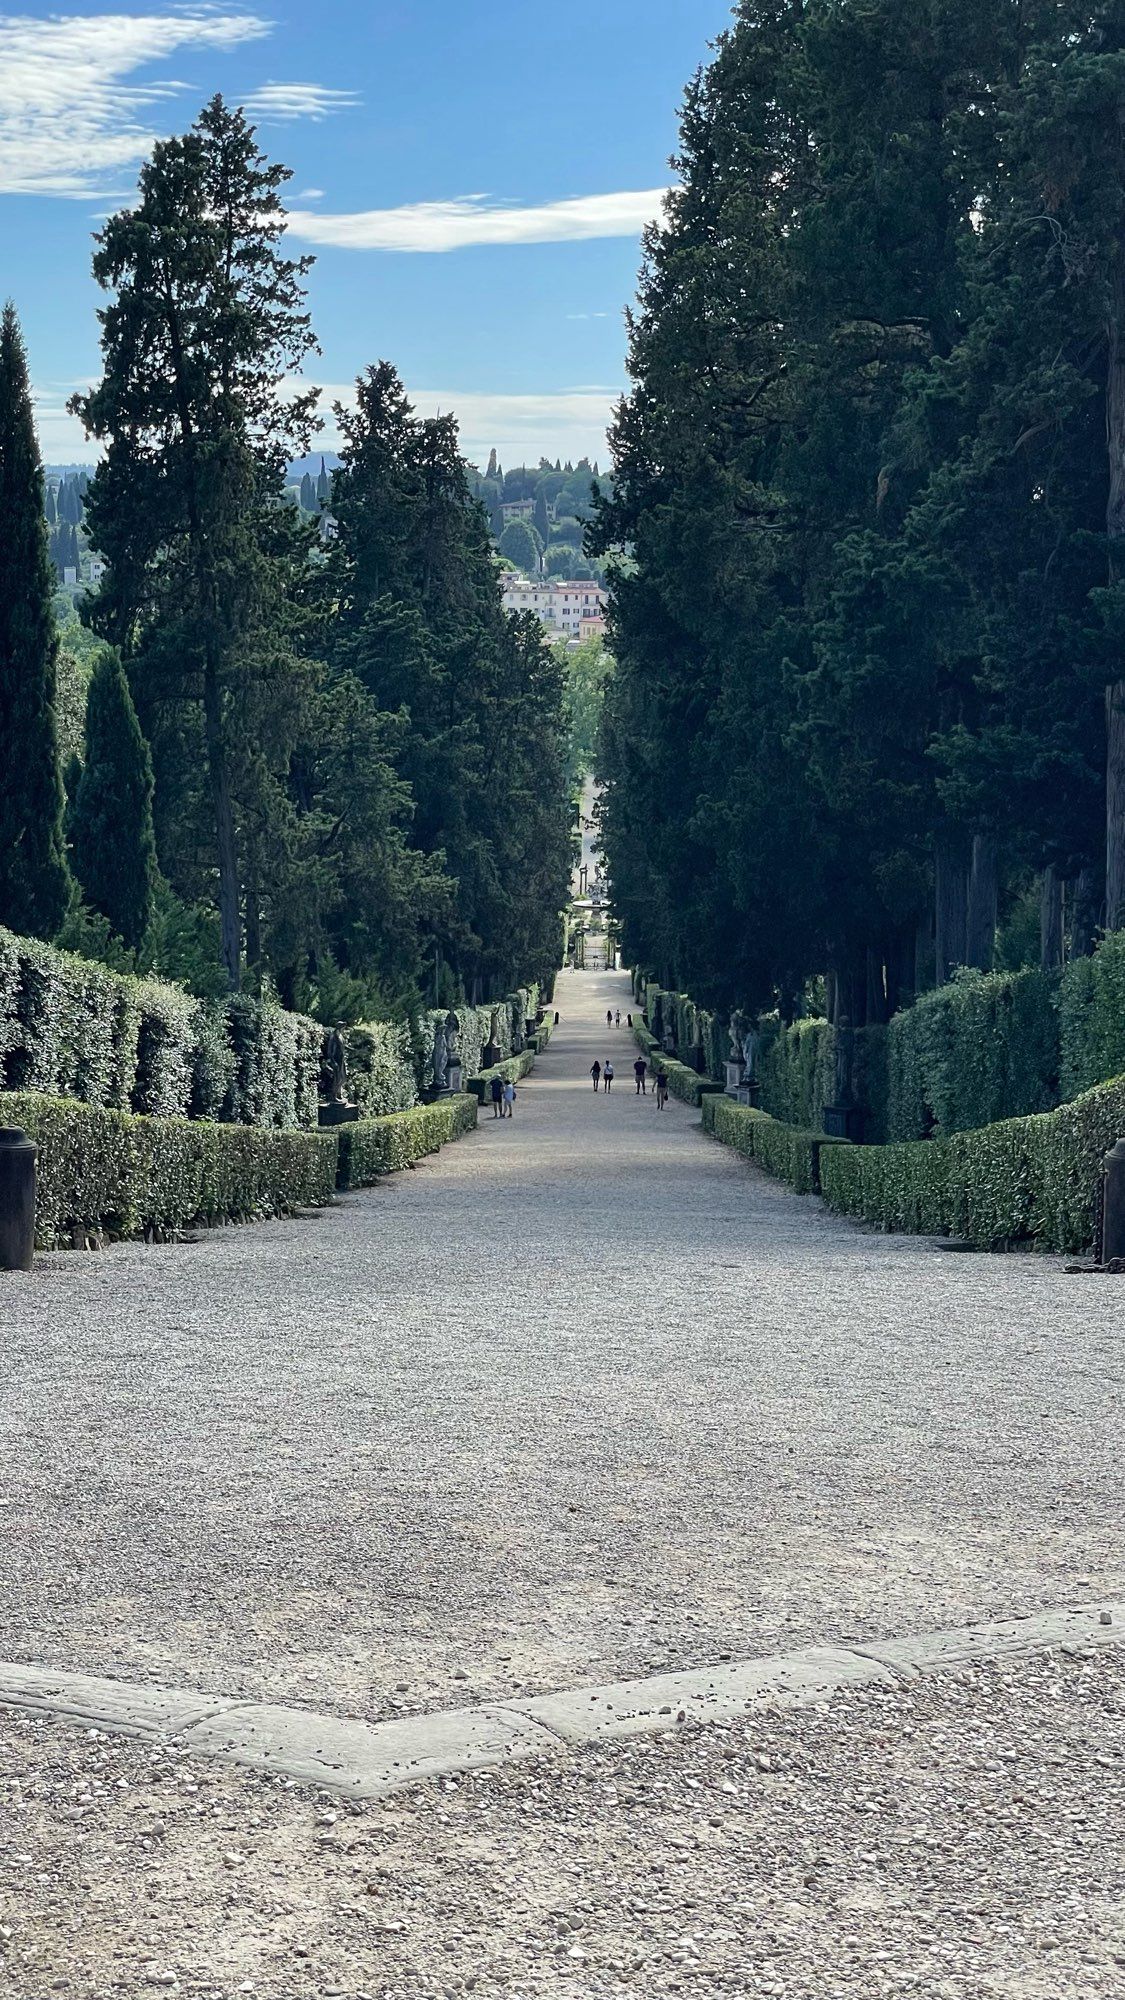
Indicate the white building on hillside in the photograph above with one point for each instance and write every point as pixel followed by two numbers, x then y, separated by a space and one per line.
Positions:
pixel 561 606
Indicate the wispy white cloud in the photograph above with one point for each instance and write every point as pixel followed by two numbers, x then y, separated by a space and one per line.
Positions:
pixel 310 194
pixel 70 121
pixel 277 102
pixel 600 315
pixel 473 219
pixel 556 423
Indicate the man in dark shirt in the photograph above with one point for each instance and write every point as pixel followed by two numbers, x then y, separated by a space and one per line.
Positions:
pixel 640 1071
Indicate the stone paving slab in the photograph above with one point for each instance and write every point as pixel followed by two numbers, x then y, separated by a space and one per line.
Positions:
pixel 369 1760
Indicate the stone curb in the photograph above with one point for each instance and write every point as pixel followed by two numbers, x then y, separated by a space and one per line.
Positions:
pixel 369 1759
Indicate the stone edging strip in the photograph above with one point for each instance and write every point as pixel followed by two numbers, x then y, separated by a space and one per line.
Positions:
pixel 369 1759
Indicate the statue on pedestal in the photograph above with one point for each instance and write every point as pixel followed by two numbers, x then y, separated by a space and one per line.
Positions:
pixel 441 1055
pixel 334 1065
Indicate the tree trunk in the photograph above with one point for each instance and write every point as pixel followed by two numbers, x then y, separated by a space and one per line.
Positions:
pixel 951 899
pixel 1115 807
pixel 253 915
pixel 878 982
pixel 980 925
pixel 226 845
pixel 1085 901
pixel 1115 529
pixel 902 972
pixel 1050 921
pixel 923 958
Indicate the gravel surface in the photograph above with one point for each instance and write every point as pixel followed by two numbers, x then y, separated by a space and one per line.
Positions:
pixel 960 1839
pixel 585 1397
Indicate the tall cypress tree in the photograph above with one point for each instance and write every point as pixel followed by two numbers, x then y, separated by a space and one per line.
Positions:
pixel 111 829
pixel 34 879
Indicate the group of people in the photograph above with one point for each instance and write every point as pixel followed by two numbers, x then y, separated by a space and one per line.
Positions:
pixel 504 1096
pixel 602 1074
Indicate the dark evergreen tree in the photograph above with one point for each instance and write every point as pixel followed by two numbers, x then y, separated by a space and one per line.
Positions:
pixel 308 494
pixel 111 826
pixel 207 318
pixel 541 518
pixel 323 487
pixel 49 507
pixel 34 879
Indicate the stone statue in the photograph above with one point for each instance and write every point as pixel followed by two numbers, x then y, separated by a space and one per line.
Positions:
pixel 441 1054
pixel 736 1033
pixel 335 1065
pixel 750 1041
pixel 452 1038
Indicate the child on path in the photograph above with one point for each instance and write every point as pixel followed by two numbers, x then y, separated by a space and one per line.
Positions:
pixel 607 1076
pixel 509 1097
pixel 661 1089
pixel 497 1097
pixel 596 1073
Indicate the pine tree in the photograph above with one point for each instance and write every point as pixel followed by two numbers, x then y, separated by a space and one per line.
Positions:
pixel 323 487
pixel 111 828
pixel 34 879
pixel 49 507
pixel 493 470
pixel 208 318
pixel 308 494
pixel 541 518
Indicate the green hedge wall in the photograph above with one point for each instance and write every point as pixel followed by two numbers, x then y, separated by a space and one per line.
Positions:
pixel 982 1049
pixel 375 1146
pixel 104 1169
pixel 783 1150
pixel 1092 1017
pixel 381 1067
pixel 1024 1180
pixel 73 1029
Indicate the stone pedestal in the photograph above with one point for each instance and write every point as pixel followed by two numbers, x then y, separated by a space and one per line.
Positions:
pixel 735 1072
pixel 336 1113
pixel 453 1076
pixel 844 1121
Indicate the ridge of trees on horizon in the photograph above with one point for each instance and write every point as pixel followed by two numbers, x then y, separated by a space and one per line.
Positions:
pixel 336 769
pixel 869 696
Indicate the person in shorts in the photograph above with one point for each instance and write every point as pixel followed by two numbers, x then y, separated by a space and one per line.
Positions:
pixel 661 1089
pixel 640 1071
pixel 509 1097
pixel 607 1077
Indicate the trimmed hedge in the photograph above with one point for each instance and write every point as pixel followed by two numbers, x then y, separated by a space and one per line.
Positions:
pixel 785 1151
pixel 381 1076
pixel 372 1147
pixel 1092 1017
pixel 982 1049
pixel 73 1029
pixel 1021 1181
pixel 104 1169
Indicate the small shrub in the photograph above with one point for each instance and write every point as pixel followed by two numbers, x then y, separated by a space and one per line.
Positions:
pixel 375 1146
pixel 104 1169
pixel 785 1151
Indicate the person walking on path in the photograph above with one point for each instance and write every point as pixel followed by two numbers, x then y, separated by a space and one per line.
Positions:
pixel 640 1071
pixel 661 1089
pixel 617 1018
pixel 596 1073
pixel 609 1017
pixel 497 1097
pixel 509 1097
pixel 607 1077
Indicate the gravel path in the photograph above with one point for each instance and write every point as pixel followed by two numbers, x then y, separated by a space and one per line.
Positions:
pixel 962 1839
pixel 584 1397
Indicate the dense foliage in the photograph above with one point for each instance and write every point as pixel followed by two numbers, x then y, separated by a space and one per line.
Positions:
pixel 34 879
pixel 871 481
pixel 315 757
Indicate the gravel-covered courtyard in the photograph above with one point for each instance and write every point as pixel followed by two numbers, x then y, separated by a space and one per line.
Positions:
pixel 584 1396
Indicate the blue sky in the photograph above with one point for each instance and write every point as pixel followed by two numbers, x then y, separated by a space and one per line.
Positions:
pixel 434 143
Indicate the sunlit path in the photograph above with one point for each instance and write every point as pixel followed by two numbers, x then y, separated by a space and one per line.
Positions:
pixel 582 1396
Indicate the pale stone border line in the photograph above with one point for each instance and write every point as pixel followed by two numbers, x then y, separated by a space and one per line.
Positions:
pixel 369 1759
